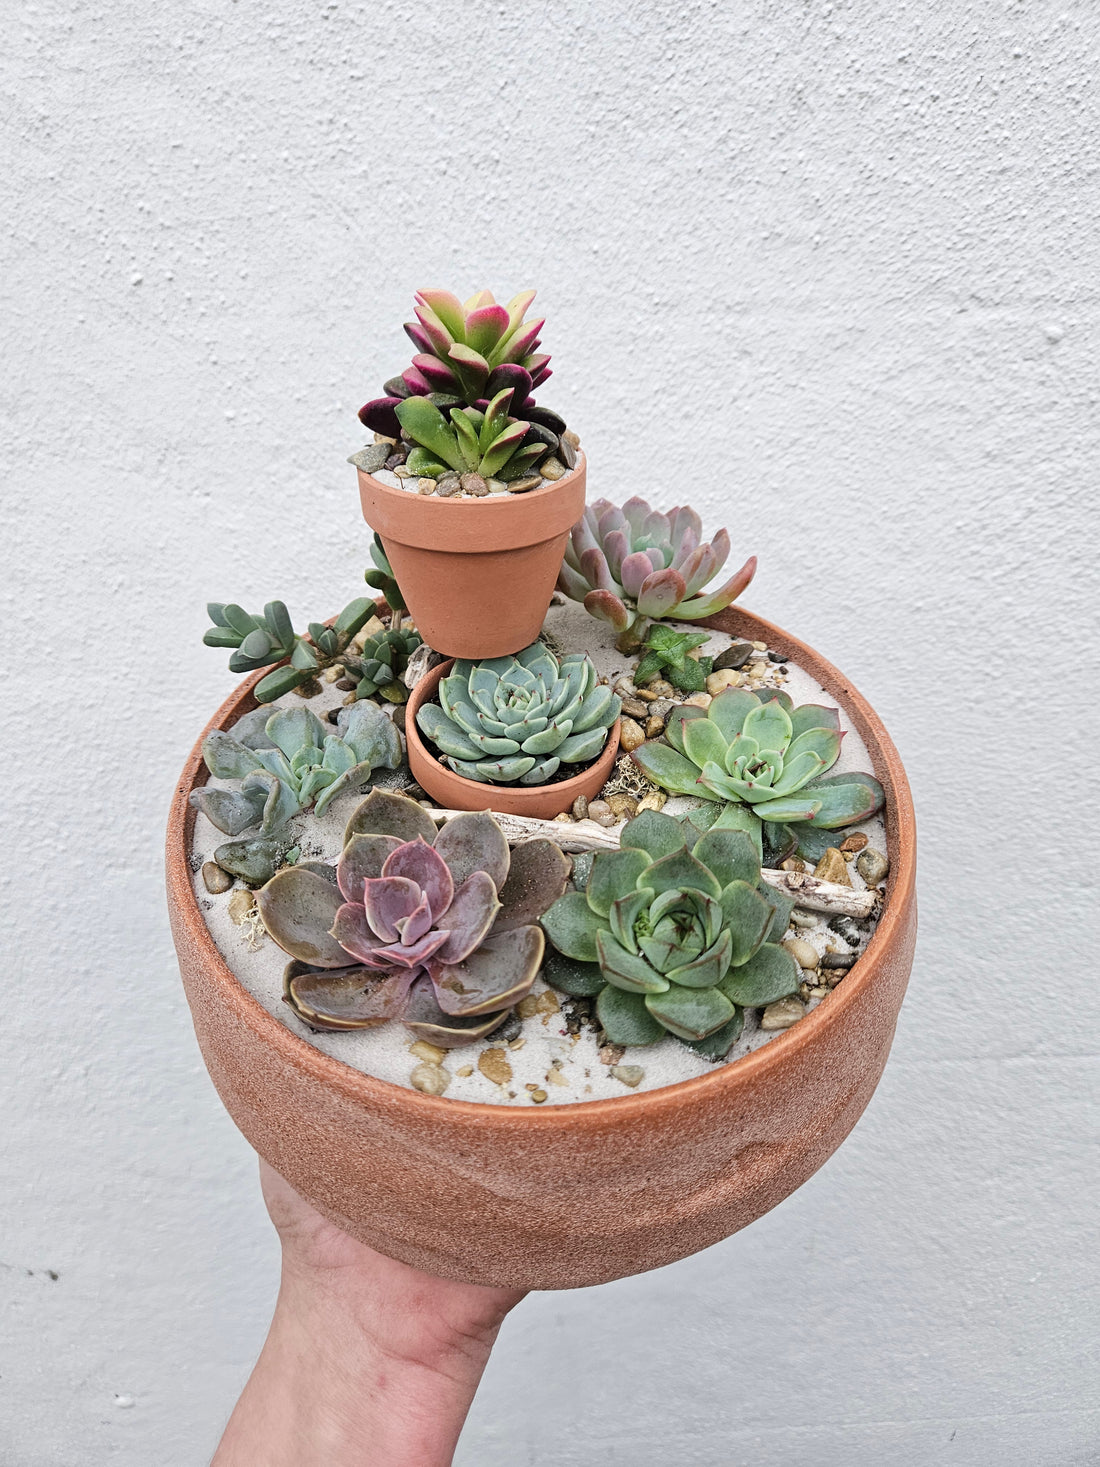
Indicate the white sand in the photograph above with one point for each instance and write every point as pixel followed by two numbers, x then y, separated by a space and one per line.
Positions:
pixel 546 1047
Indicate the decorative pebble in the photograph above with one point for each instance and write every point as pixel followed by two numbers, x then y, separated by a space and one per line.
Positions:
pixel 382 438
pixel 398 716
pixel 854 842
pixel 800 918
pixel 551 468
pixel 833 867
pixel 373 457
pixel 497 486
pixel 538 1096
pixel 580 808
pixel 547 1003
pixel 508 1029
pixel 215 879
pixel 872 865
pixel 464 1072
pixel 494 1066
pixel 793 863
pixel 725 677
pixel 661 707
pixel 631 735
pixel 623 807
pixel 699 700
pixel 775 657
pixel 760 646
pixel 521 486
pixel 396 461
pixel 781 1015
pixel 447 485
pixel 431 1054
pixel 838 960
pixel 635 708
pixel 425 485
pixel 803 952
pixel 847 928
pixel 600 812
pixel 474 484
pixel 573 439
pixel 736 655
pixel 241 906
pixel 564 818
pixel 647 695
pixel 835 976
pixel 527 1007
pixel 254 860
pixel 757 669
pixel 611 1054
pixel 654 727
pixel 655 800
pixel 430 1079
pixel 631 1075
pixel 555 1077
pixel 333 673
pixel 659 688
pixel 402 471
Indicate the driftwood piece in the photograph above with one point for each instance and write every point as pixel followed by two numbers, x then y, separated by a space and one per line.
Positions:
pixel 808 892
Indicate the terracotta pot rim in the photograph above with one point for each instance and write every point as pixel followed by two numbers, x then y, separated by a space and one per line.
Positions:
pixel 567 789
pixel 742 1073
pixel 528 496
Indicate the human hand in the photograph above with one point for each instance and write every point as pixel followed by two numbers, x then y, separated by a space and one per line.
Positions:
pixel 367 1361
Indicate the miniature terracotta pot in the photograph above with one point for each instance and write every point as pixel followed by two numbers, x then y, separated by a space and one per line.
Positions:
pixel 453 792
pixel 477 574
pixel 562 1195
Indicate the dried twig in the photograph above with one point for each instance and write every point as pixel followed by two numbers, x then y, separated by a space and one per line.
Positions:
pixel 807 891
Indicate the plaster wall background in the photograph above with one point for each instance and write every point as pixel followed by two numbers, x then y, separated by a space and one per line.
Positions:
pixel 845 256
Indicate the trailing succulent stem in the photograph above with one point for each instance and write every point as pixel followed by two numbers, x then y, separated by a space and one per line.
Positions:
pixel 673 933
pixel 758 750
pixel 631 563
pixel 286 761
pixel 259 641
pixel 512 720
pixel 666 653
pixel 382 577
pixel 438 929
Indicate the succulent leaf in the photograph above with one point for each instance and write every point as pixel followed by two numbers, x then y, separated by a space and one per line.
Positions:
pixel 298 909
pixel 771 973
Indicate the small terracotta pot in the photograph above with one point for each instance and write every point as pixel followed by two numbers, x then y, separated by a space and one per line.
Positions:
pixel 563 1195
pixel 453 792
pixel 477 574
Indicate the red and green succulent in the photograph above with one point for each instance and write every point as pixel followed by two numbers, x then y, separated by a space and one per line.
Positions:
pixel 467 353
pixel 436 928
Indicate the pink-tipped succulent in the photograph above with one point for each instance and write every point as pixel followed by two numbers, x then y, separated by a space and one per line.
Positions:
pixel 632 563
pixel 435 928
pixel 465 355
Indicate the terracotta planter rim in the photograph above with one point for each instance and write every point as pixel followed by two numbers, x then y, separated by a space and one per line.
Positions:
pixel 742 1073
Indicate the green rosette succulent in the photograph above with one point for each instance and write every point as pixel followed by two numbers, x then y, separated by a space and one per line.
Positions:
pixel 383 660
pixel 489 443
pixel 287 761
pixel 511 720
pixel 258 641
pixel 759 750
pixel 674 934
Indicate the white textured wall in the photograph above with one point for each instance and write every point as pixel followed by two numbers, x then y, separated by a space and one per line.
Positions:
pixel 841 256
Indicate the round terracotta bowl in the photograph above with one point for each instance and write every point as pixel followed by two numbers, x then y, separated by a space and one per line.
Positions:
pixel 477 574
pixel 453 792
pixel 563 1195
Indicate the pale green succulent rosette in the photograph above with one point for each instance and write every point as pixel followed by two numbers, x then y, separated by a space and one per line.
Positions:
pixel 517 720
pixel 287 761
pixel 673 934
pixel 756 749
